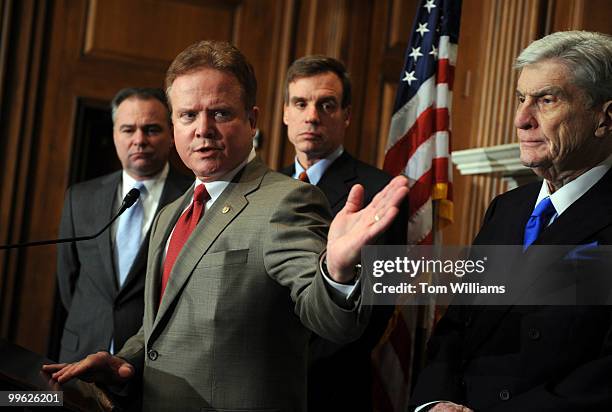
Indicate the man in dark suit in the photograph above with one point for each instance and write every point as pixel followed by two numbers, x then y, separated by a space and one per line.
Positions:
pixel 317 112
pixel 237 274
pixel 540 358
pixel 101 287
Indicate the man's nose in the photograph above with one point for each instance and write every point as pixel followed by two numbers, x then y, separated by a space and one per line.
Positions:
pixel 140 137
pixel 204 127
pixel 312 114
pixel 524 118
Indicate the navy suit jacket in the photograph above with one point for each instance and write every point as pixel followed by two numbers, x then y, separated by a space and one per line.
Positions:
pixel 527 358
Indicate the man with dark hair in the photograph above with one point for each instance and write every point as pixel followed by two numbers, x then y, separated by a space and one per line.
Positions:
pixel 540 358
pixel 101 281
pixel 238 275
pixel 317 112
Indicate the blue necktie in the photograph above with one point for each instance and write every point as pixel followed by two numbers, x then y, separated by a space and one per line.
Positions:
pixel 127 240
pixel 539 219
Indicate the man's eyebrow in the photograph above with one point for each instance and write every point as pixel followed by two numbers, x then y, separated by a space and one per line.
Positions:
pixel 329 98
pixel 296 99
pixel 550 90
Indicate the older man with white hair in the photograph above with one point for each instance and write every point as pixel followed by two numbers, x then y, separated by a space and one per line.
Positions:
pixel 545 358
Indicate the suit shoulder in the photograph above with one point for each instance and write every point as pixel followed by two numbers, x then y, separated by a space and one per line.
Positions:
pixel 519 194
pixel 283 182
pixel 372 173
pixel 92 185
pixel 287 170
pixel 281 185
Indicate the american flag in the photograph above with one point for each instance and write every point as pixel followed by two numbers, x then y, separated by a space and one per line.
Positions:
pixel 419 136
pixel 419 147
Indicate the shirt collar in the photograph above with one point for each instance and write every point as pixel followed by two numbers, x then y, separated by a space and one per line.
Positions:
pixel 572 191
pixel 316 171
pixel 217 187
pixel 128 182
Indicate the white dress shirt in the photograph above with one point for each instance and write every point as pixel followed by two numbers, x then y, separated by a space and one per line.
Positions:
pixel 565 196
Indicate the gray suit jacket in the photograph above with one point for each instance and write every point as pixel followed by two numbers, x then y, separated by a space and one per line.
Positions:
pixel 97 308
pixel 232 329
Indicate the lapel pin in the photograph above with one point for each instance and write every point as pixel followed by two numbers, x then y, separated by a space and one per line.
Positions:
pixel 225 209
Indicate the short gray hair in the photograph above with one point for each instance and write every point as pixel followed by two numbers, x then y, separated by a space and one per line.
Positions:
pixel 588 56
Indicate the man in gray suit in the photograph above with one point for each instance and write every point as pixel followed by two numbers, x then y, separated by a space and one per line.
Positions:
pixel 231 298
pixel 101 288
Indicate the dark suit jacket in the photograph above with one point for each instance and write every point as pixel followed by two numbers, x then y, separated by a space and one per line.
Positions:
pixel 232 328
pixel 347 171
pixel 97 308
pixel 332 364
pixel 526 358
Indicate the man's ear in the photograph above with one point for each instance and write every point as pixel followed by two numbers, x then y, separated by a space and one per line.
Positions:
pixel 604 120
pixel 347 116
pixel 285 109
pixel 253 114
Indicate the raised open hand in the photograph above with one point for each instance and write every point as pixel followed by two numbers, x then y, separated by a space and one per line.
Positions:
pixel 356 226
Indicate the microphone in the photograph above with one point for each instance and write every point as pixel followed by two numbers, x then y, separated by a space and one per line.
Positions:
pixel 129 199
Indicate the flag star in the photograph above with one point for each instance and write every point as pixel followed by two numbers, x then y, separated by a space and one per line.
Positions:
pixel 422 29
pixel 429 5
pixel 409 77
pixel 416 53
pixel 434 51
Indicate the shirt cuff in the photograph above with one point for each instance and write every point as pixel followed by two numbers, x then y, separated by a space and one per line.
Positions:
pixel 337 290
pixel 426 406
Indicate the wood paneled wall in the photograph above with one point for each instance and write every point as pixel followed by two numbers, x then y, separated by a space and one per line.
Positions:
pixel 56 55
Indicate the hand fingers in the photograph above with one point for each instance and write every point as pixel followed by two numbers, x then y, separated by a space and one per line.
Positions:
pixel 395 184
pixel 354 202
pixel 54 367
pixel 72 370
pixel 64 374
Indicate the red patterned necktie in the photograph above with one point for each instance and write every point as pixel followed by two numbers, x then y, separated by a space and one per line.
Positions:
pixel 304 177
pixel 183 228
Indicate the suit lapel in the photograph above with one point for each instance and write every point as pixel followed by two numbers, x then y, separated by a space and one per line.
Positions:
pixel 174 187
pixel 506 227
pixel 584 218
pixel 105 199
pixel 336 181
pixel 225 209
pixel 157 245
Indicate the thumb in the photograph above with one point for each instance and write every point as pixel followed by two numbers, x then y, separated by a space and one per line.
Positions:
pixel 125 371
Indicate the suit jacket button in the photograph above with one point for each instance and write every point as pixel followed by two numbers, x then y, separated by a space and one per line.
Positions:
pixel 152 354
pixel 468 321
pixel 533 334
pixel 504 394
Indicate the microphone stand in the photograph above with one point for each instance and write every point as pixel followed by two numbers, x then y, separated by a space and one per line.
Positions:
pixel 128 201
